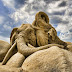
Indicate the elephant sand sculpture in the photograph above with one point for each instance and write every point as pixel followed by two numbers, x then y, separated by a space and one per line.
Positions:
pixel 37 48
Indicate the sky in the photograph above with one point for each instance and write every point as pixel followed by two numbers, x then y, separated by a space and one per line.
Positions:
pixel 13 13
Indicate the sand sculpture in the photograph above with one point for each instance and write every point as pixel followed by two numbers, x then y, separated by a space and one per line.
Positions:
pixel 36 48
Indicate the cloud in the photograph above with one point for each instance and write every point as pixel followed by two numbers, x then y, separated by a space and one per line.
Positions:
pixel 14 3
pixel 30 1
pixel 65 28
pixel 66 36
pixel 5 39
pixel 62 4
pixel 58 13
pixel 15 12
pixel 8 3
pixel 62 28
pixel 50 1
pixel 70 12
pixel 56 20
pixel 6 27
pixel 27 12
pixel 1 19
pixel 19 3
pixel 53 7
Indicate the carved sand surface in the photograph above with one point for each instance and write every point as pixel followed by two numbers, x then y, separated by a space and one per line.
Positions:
pixel 35 48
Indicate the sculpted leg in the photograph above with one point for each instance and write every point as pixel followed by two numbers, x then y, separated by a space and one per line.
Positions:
pixel 16 60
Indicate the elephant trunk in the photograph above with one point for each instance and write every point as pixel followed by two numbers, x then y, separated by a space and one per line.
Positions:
pixel 23 48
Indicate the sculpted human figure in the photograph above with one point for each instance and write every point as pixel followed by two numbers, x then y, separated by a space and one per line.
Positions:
pixel 45 33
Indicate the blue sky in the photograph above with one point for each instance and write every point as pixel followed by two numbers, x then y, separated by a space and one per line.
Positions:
pixel 13 13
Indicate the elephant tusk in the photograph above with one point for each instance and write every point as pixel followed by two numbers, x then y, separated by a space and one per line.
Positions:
pixel 8 54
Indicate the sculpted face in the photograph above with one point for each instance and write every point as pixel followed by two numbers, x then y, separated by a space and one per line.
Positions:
pixel 43 18
pixel 42 15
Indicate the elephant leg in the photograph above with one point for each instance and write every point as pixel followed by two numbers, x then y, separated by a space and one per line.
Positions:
pixel 16 60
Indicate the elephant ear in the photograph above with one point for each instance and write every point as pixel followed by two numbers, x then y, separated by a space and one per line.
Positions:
pixel 13 31
pixel 12 36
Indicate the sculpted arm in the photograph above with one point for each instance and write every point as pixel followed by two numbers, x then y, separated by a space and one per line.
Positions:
pixel 47 46
pixel 24 49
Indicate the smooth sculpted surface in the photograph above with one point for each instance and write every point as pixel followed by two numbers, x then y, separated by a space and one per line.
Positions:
pixel 4 47
pixel 53 59
pixel 35 48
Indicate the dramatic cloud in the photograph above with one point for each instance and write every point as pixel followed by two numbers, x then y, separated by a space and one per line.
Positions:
pixel 15 12
pixel 5 38
pixel 62 4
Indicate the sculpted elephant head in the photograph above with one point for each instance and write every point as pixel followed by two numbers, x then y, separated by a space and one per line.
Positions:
pixel 41 24
pixel 20 38
pixel 45 32
pixel 26 31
